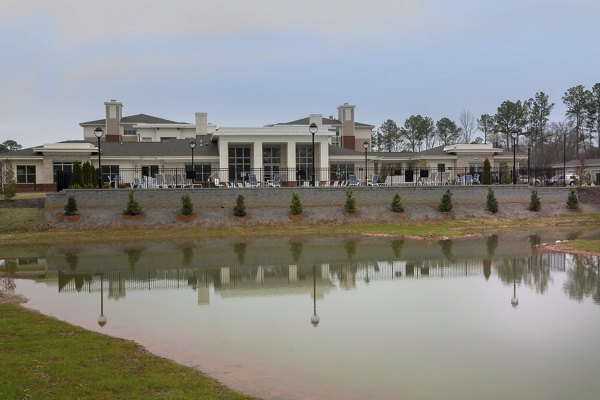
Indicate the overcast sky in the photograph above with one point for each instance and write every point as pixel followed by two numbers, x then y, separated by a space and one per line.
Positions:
pixel 255 62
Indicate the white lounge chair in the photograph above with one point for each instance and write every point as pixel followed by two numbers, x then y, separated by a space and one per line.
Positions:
pixel 352 180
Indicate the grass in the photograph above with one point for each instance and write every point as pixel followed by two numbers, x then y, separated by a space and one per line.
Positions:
pixel 18 220
pixel 43 358
pixel 592 246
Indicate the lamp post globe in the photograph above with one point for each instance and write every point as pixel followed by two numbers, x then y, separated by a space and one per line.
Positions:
pixel 99 132
pixel 514 134
pixel 313 128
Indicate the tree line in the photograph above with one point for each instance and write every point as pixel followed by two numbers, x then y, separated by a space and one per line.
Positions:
pixel 577 136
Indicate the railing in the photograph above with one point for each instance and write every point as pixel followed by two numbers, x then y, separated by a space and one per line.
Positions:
pixel 264 177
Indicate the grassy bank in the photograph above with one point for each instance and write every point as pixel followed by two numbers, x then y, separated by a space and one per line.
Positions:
pixel 590 246
pixel 30 229
pixel 43 358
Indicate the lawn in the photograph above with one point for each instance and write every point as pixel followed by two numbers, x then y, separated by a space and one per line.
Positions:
pixel 43 358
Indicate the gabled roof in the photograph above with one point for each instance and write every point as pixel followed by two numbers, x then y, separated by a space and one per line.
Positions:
pixel 324 121
pixel 134 119
pixel 170 148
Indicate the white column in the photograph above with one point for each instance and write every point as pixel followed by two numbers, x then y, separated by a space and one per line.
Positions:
pixel 323 163
pixel 223 159
pixel 257 160
pixel 291 161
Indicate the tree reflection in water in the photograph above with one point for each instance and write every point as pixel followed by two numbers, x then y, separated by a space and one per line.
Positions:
pixel 584 278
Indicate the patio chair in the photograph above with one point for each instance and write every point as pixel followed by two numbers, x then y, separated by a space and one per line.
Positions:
pixel 374 181
pixel 352 180
pixel 276 182
pixel 252 181
pixel 476 179
pixel 135 183
pixel 116 181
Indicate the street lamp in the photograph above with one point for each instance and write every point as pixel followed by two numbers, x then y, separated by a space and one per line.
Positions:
pixel 528 167
pixel 313 128
pixel 192 174
pixel 99 132
pixel 565 157
pixel 514 134
pixel 366 146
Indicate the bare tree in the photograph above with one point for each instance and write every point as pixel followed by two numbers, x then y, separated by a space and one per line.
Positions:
pixel 468 124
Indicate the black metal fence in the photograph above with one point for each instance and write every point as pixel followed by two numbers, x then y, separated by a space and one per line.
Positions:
pixel 159 177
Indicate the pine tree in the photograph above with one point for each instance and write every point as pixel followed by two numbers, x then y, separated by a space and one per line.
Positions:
pixel 446 202
pixel 71 206
pixel 133 207
pixel 186 205
pixel 397 206
pixel 491 204
pixel 240 207
pixel 77 177
pixel 573 200
pixel 296 205
pixel 505 175
pixel 535 204
pixel 350 205
pixel 486 179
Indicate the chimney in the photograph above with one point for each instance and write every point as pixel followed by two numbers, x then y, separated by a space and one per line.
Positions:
pixel 315 118
pixel 346 117
pixel 201 123
pixel 114 113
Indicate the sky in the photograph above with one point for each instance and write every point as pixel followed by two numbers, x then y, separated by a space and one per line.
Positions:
pixel 257 62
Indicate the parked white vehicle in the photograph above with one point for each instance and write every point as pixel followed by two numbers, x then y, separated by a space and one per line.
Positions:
pixel 559 180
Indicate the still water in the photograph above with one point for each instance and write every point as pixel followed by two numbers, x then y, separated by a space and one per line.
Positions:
pixel 341 317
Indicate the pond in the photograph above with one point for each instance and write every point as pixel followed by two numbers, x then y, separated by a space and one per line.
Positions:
pixel 341 317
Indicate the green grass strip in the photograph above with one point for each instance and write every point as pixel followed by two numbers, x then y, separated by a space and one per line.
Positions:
pixel 43 358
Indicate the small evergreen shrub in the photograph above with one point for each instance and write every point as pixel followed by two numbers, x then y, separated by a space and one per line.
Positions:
pixel 535 204
pixel 573 200
pixel 296 205
pixel 133 207
pixel 486 179
pixel 71 206
pixel 350 205
pixel 240 207
pixel 446 202
pixel 397 206
pixel 9 190
pixel 491 204
pixel 505 175
pixel 76 177
pixel 186 205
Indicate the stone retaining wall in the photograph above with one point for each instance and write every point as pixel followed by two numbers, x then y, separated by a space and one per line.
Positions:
pixel 281 197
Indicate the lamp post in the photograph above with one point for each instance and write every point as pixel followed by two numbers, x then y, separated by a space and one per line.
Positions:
pixel 565 157
pixel 366 146
pixel 193 171
pixel 514 301
pixel 514 134
pixel 99 132
pixel 528 166
pixel 313 128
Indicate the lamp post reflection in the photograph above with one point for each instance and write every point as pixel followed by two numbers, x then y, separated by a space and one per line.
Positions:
pixel 514 301
pixel 102 320
pixel 314 320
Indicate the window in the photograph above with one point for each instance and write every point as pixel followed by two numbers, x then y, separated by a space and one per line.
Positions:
pixel 341 171
pixel 304 161
pixel 62 167
pixel 271 160
pixel 150 170
pixel 129 130
pixel 239 162
pixel 166 138
pixel 25 173
pixel 146 139
pixel 109 172
pixel 203 171
pixel 441 167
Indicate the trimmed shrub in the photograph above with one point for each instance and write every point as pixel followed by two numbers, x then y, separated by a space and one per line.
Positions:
pixel 240 207
pixel 535 204
pixel 71 206
pixel 505 175
pixel 491 203
pixel 397 206
pixel 133 207
pixel 446 202
pixel 186 205
pixel 8 186
pixel 573 200
pixel 296 205
pixel 9 190
pixel 76 177
pixel 486 179
pixel 350 205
